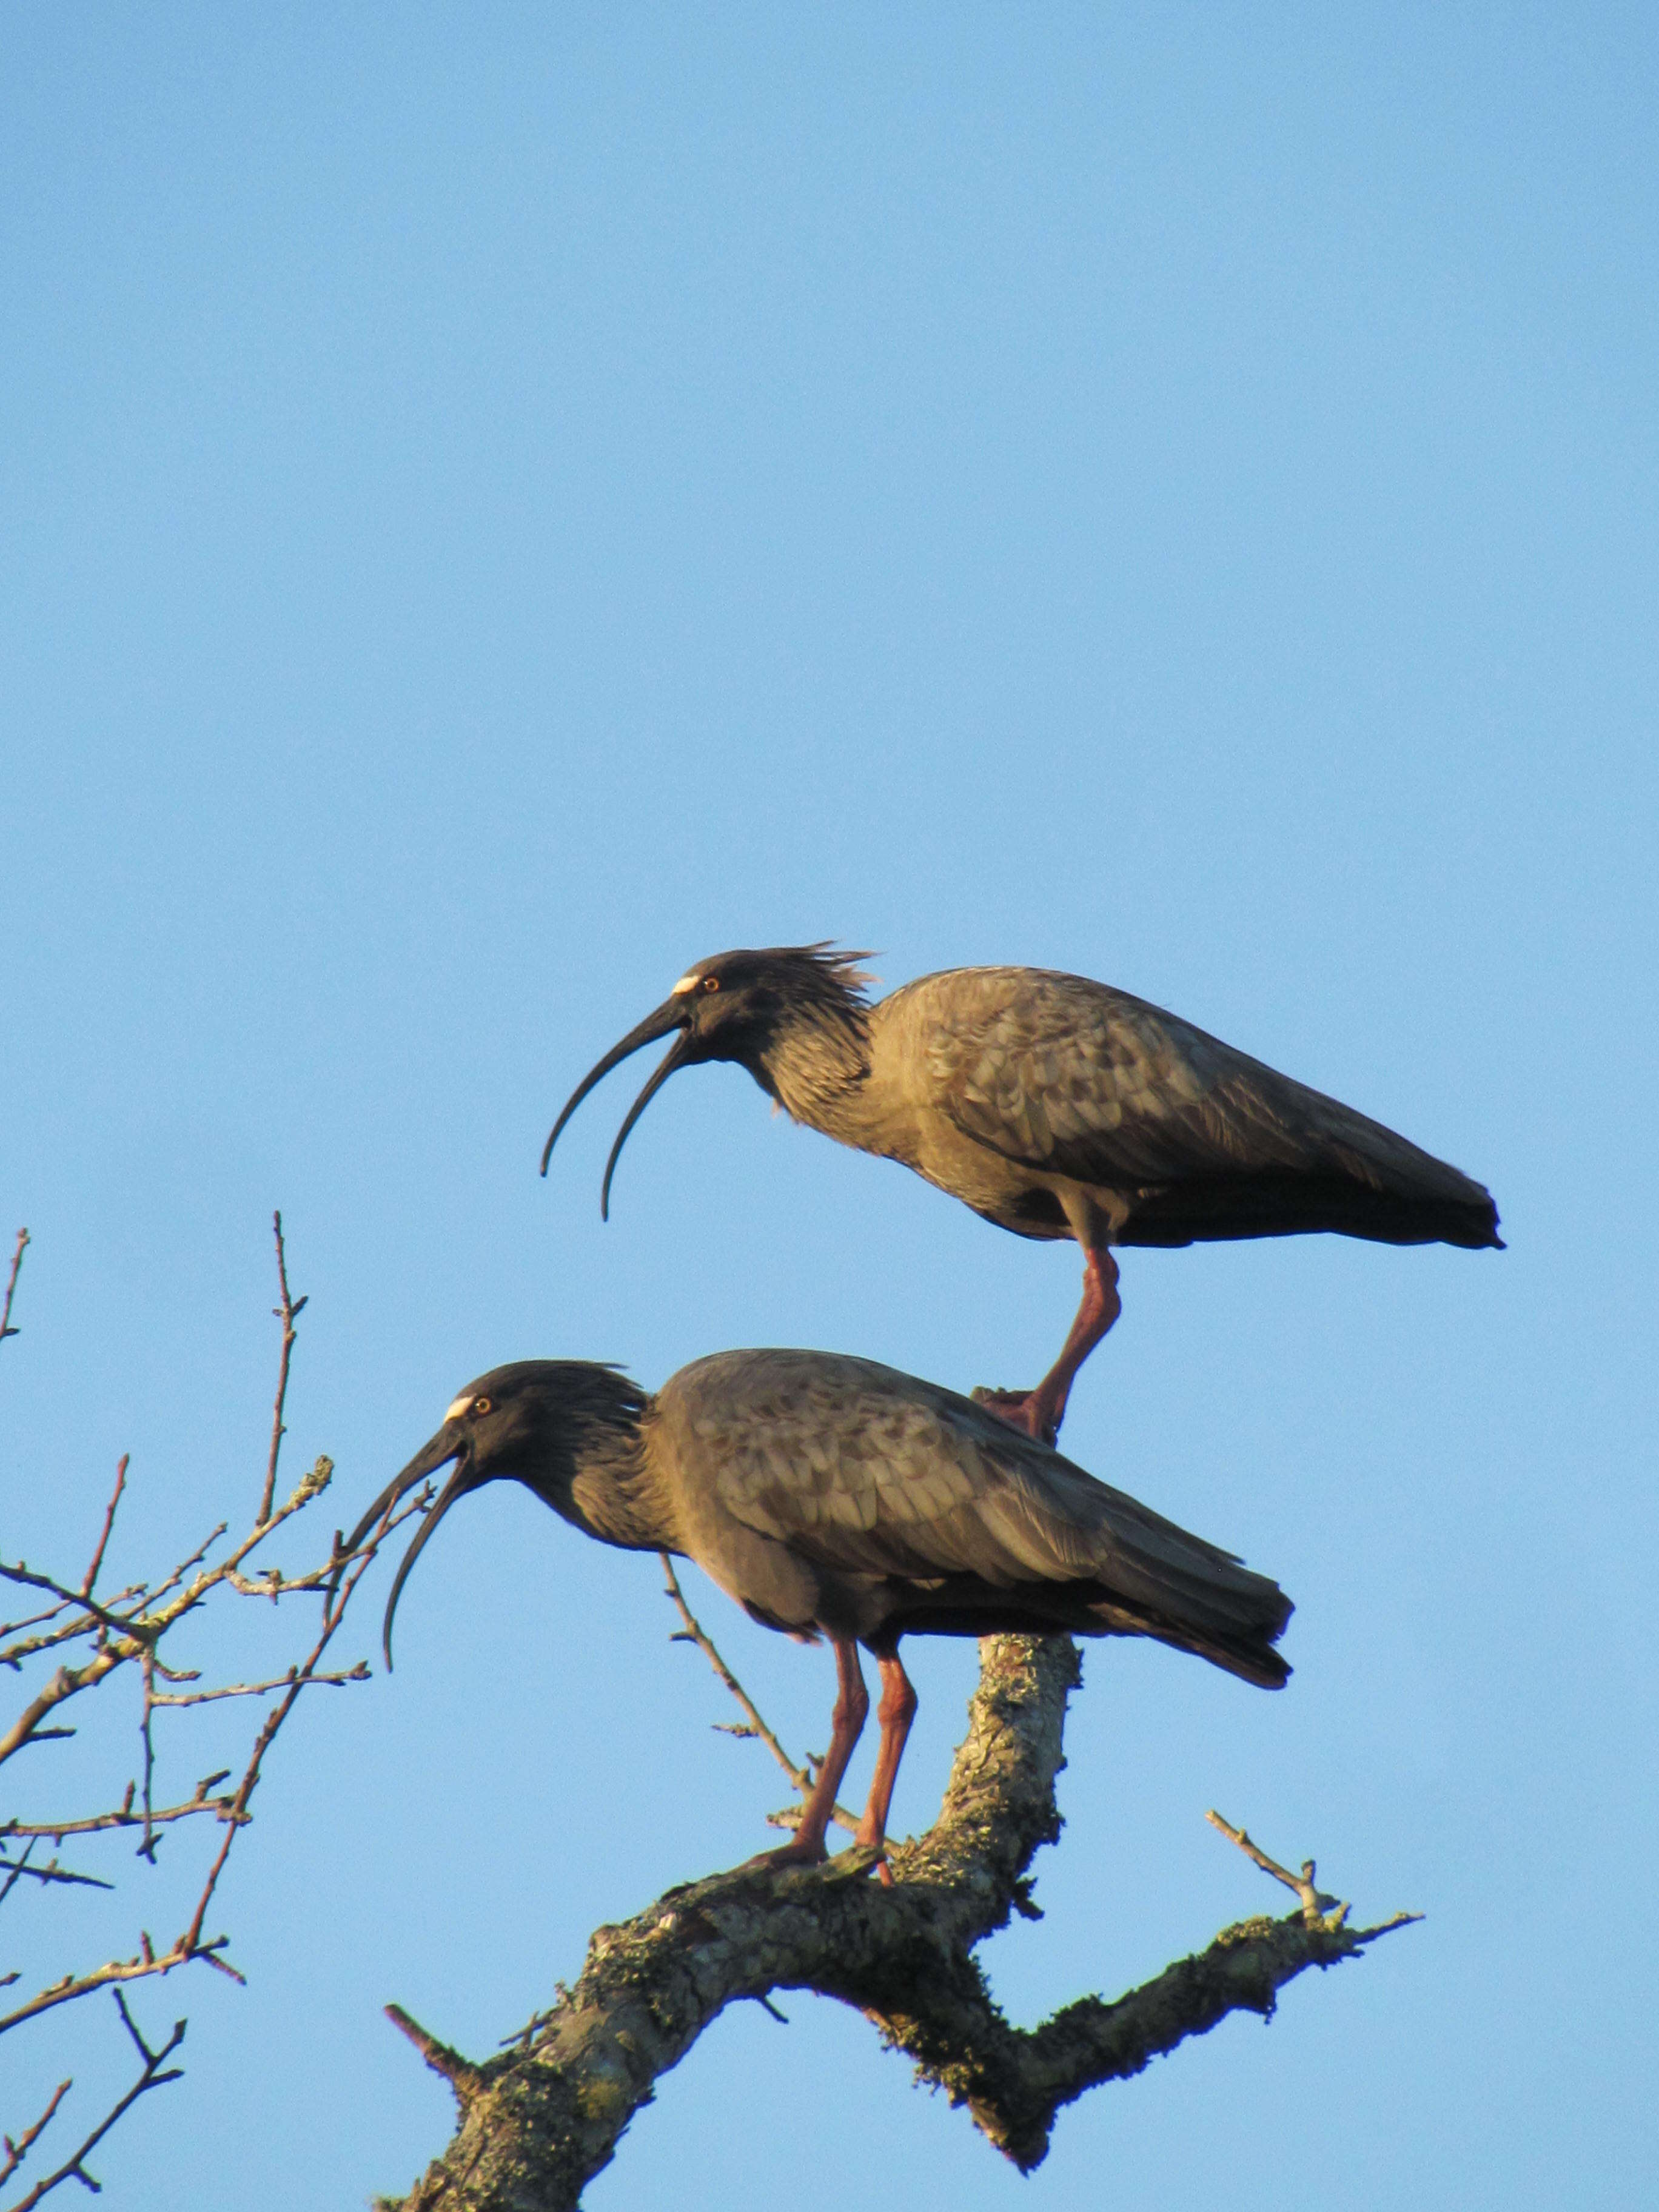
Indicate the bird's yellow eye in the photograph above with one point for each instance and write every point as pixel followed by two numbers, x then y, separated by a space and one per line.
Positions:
pixel 481 1405
pixel 711 982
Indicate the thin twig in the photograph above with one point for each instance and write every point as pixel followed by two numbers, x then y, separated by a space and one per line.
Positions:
pixel 123 1816
pixel 17 1251
pixel 109 1523
pixel 288 1313
pixel 146 1665
pixel 30 1620
pixel 18 2151
pixel 51 1872
pixel 175 1580
pixel 18 1868
pixel 694 1633
pixel 357 1674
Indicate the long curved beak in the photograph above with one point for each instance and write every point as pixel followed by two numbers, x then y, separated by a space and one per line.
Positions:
pixel 450 1443
pixel 671 1015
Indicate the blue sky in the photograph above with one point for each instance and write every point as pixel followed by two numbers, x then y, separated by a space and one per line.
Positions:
pixel 503 501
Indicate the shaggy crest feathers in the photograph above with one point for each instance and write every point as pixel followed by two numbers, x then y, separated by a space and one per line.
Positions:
pixel 823 978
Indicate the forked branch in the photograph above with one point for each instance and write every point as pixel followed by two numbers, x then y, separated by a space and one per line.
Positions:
pixel 540 2121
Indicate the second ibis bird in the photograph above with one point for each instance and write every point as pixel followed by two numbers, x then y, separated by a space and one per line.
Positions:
pixel 1055 1107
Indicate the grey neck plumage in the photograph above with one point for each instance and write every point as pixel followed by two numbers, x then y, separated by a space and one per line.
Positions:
pixel 816 1063
pixel 602 1479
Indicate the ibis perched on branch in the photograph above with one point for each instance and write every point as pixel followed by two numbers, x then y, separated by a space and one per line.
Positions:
pixel 1055 1107
pixel 834 1498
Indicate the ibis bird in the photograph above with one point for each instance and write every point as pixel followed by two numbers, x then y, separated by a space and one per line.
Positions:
pixel 1055 1107
pixel 833 1497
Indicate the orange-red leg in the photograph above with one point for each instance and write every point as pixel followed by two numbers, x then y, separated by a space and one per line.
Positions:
pixel 846 1726
pixel 1039 1413
pixel 896 1712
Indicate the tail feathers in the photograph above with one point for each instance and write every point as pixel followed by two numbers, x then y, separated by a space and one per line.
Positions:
pixel 1228 1615
pixel 1252 1659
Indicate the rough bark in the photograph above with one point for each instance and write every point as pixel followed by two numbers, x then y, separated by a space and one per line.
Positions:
pixel 537 2123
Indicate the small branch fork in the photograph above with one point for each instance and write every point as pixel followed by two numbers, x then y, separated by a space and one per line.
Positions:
pixel 541 2119
pixel 1316 1905
pixel 128 1629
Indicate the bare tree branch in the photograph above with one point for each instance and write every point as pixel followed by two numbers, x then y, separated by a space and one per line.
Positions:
pixel 538 2122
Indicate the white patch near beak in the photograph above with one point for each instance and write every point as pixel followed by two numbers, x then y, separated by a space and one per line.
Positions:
pixel 459 1407
pixel 686 983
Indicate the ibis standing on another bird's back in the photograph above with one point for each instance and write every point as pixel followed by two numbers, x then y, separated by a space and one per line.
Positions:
pixel 832 1497
pixel 1055 1107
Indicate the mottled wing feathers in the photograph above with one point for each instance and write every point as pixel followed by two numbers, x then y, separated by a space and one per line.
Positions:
pixel 865 1470
pixel 1070 1076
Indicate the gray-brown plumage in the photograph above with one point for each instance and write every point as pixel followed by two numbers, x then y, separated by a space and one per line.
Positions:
pixel 832 1497
pixel 1055 1107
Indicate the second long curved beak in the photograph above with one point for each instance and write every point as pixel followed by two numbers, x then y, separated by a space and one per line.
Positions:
pixel 451 1442
pixel 671 1015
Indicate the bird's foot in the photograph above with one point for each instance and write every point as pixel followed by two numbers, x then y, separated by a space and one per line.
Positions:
pixel 878 1865
pixel 1021 1409
pixel 859 1859
pixel 864 1841
pixel 799 1853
